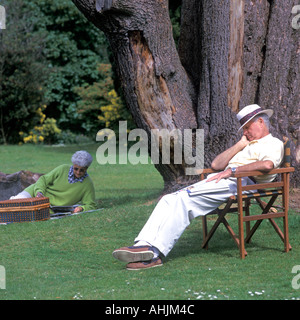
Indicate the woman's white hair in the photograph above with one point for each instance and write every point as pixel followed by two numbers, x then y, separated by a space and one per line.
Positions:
pixel 82 158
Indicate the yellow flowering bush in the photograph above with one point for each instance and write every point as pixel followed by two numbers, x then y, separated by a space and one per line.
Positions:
pixel 41 114
pixel 47 131
pixel 113 111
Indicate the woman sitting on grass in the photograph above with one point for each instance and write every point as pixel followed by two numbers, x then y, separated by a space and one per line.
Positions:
pixel 65 185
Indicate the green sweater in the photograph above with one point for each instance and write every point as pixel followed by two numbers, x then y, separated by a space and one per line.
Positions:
pixel 56 186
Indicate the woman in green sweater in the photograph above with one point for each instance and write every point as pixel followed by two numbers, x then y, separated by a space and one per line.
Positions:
pixel 65 185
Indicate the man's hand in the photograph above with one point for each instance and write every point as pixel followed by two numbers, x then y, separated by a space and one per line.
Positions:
pixel 263 166
pixel 244 141
pixel 221 161
pixel 39 195
pixel 221 175
pixel 78 209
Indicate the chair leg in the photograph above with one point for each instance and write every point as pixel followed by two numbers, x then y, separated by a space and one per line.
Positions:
pixel 204 231
pixel 221 213
pixel 265 207
pixel 287 246
pixel 247 213
pixel 285 200
pixel 211 232
pixel 241 235
pixel 283 235
pixel 233 235
pixel 241 219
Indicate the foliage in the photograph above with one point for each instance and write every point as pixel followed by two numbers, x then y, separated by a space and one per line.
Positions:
pixel 48 132
pixel 73 49
pixel 49 50
pixel 175 15
pixel 22 73
pixel 112 112
pixel 68 137
pixel 100 101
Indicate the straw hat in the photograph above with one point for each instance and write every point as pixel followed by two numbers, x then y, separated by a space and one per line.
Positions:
pixel 249 112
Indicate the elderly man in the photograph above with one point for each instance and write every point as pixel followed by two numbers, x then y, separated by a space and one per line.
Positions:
pixel 66 185
pixel 256 150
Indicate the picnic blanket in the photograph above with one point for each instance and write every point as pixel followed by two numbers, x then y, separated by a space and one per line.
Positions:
pixel 59 212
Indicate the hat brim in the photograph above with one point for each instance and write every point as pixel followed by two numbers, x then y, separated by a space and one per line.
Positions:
pixel 269 112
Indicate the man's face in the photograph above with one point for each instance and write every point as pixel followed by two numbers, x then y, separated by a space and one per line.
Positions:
pixel 79 171
pixel 255 130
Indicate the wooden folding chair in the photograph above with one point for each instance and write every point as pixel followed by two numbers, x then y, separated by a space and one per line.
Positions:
pixel 241 203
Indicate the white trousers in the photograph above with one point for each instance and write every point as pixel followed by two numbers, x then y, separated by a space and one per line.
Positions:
pixel 174 212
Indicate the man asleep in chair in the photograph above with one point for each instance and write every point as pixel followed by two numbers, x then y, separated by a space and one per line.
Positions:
pixel 256 150
pixel 66 185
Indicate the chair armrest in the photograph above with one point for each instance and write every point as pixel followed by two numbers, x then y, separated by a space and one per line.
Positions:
pixel 208 170
pixel 272 184
pixel 203 172
pixel 260 173
pixel 251 173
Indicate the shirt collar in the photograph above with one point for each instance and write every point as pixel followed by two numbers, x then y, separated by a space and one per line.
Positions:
pixel 73 179
pixel 262 139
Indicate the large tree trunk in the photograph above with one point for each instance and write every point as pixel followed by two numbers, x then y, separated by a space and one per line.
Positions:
pixel 241 52
pixel 231 53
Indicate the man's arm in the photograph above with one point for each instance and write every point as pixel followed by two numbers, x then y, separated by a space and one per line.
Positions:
pixel 221 161
pixel 263 166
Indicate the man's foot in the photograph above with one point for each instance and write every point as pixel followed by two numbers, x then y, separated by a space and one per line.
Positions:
pixel 134 253
pixel 144 264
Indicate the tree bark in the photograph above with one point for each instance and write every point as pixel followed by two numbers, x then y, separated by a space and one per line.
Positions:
pixel 157 89
pixel 231 53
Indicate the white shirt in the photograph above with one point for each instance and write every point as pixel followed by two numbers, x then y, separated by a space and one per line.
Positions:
pixel 266 148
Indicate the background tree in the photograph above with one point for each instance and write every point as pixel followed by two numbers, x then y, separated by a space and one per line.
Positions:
pixel 22 73
pixel 47 50
pixel 231 53
pixel 73 49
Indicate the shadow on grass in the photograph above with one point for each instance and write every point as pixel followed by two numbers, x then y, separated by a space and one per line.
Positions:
pixel 221 244
pixel 120 197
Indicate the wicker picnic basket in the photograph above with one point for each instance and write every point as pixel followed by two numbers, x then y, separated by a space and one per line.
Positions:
pixel 24 210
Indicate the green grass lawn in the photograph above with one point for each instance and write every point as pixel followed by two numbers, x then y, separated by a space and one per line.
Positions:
pixel 71 258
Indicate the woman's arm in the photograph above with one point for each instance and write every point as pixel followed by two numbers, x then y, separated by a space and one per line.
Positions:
pixel 88 200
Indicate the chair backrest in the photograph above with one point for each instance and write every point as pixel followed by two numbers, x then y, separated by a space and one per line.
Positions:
pixel 287 154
